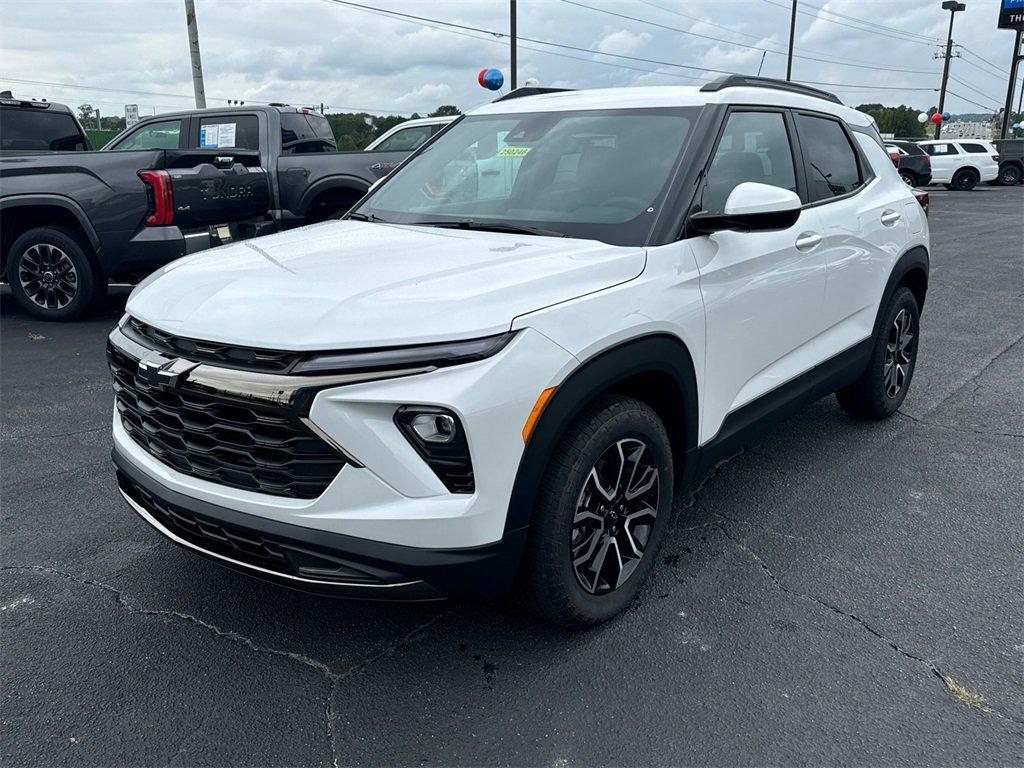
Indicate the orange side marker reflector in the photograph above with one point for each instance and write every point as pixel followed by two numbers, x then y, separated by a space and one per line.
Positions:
pixel 538 408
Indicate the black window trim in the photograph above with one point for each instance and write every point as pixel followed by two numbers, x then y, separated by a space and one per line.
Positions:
pixel 864 169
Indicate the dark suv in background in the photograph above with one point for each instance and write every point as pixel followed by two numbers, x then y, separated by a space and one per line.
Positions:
pixel 914 165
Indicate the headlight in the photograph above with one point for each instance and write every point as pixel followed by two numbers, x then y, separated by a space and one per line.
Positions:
pixel 433 355
pixel 439 439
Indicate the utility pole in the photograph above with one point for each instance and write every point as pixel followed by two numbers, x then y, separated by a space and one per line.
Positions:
pixel 953 7
pixel 1014 61
pixel 512 26
pixel 792 34
pixel 193 47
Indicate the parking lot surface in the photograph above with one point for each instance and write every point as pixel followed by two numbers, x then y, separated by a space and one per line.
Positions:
pixel 839 592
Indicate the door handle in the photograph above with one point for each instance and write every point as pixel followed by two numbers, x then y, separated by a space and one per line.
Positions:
pixel 890 217
pixel 807 241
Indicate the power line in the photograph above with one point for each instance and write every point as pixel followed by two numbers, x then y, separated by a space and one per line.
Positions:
pixel 865 22
pixel 899 37
pixel 975 88
pixel 744 45
pixel 996 67
pixel 969 101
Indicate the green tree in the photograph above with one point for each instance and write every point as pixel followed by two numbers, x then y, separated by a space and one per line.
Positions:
pixel 445 110
pixel 900 121
pixel 85 112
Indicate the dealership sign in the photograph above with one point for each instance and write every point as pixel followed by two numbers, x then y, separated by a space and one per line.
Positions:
pixel 131 115
pixel 1011 14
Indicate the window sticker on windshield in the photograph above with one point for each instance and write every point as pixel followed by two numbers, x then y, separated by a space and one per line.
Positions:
pixel 514 151
pixel 217 135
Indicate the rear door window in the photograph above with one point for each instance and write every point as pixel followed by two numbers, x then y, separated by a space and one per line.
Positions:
pixel 754 147
pixel 303 133
pixel 37 130
pixel 832 167
pixel 229 132
pixel 406 139
pixel 941 149
pixel 163 134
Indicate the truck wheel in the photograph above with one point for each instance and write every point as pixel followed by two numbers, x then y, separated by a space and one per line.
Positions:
pixel 52 276
pixel 602 510
pixel 964 180
pixel 1009 175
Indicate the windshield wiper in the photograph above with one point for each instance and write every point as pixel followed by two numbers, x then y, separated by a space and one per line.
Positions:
pixel 487 226
pixel 367 217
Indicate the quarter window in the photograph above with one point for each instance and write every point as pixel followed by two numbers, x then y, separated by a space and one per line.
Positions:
pixel 754 147
pixel 974 148
pixel 165 134
pixel 832 168
pixel 406 139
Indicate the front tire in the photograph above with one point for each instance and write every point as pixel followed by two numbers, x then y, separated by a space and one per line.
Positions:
pixel 602 510
pixel 881 389
pixel 1009 175
pixel 52 276
pixel 964 180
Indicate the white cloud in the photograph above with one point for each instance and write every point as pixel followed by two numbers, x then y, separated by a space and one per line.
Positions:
pixel 622 42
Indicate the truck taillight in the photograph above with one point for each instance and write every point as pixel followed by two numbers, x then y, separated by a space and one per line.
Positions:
pixel 160 194
pixel 922 198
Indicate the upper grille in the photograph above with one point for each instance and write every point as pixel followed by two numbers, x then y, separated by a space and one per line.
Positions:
pixel 231 442
pixel 248 358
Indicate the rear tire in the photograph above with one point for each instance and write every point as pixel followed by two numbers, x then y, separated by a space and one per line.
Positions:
pixel 52 276
pixel 602 511
pixel 964 180
pixel 909 178
pixel 881 389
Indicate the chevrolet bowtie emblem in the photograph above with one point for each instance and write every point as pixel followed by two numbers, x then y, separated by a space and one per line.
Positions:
pixel 159 371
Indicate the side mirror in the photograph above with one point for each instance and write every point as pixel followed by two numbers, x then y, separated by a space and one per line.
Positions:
pixel 752 207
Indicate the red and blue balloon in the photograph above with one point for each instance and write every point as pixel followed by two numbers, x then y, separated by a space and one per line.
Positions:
pixel 490 78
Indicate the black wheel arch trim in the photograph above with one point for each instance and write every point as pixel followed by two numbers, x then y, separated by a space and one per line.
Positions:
pixel 657 353
pixel 56 201
pixel 345 183
pixel 913 259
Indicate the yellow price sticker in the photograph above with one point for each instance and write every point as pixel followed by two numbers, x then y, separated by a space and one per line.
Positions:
pixel 514 151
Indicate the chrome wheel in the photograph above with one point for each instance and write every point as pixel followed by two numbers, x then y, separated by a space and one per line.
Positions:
pixel 898 354
pixel 48 276
pixel 614 517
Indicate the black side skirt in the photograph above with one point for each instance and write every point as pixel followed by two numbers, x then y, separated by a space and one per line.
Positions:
pixel 754 419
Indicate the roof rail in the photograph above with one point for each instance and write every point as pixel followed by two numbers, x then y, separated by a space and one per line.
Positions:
pixel 518 93
pixel 749 81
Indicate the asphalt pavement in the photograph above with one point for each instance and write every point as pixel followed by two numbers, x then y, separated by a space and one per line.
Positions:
pixel 840 592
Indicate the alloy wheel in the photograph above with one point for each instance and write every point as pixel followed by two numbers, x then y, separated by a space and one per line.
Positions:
pixel 614 517
pixel 48 276
pixel 898 354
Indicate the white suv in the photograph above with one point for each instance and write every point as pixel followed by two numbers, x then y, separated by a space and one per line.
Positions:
pixel 962 164
pixel 498 371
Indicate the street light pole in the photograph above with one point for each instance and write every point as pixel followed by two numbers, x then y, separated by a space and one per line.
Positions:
pixel 792 34
pixel 953 7
pixel 1008 106
pixel 512 25
pixel 193 47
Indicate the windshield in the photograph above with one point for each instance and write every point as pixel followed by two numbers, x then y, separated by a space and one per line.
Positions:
pixel 597 174
pixel 37 130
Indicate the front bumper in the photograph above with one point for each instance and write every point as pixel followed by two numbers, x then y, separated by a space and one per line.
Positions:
pixel 319 561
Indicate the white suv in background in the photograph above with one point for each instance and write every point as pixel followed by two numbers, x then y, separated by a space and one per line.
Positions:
pixel 498 371
pixel 962 164
pixel 409 135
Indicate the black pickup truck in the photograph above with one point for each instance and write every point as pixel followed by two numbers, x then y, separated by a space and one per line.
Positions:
pixel 310 180
pixel 71 220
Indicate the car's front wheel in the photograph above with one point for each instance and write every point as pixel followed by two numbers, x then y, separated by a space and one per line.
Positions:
pixel 881 389
pixel 602 511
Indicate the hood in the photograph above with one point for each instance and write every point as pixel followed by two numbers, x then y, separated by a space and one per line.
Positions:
pixel 349 284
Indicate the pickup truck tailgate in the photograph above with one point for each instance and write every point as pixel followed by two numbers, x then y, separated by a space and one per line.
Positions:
pixel 217 186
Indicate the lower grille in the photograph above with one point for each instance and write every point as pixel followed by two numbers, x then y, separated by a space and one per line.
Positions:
pixel 255 447
pixel 249 547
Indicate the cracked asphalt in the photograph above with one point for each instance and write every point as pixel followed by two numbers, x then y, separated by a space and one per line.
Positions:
pixel 839 592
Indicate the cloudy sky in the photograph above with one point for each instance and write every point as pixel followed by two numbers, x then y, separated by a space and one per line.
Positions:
pixel 113 52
